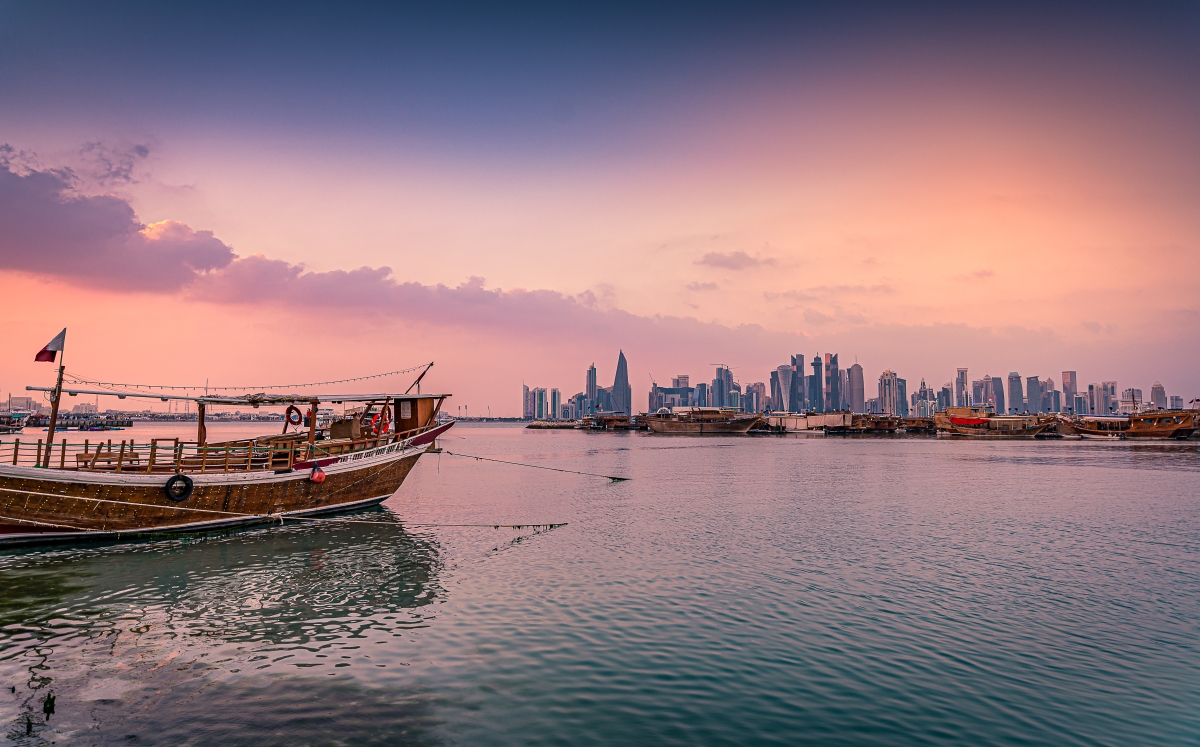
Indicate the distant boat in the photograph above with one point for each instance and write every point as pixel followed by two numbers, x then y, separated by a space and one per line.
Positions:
pixel 701 421
pixel 981 422
pixel 1155 424
pixel 12 422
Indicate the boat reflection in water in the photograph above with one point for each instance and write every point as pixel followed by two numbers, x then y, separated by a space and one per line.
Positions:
pixel 221 638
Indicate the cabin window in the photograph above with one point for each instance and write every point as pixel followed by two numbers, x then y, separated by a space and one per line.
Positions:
pixel 405 410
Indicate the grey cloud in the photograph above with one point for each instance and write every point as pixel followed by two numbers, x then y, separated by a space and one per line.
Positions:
pixel 47 228
pixel 108 165
pixel 733 260
pixel 702 286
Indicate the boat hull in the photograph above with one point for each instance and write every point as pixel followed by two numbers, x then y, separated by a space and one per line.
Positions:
pixel 701 428
pixel 47 505
pixel 1158 425
pixel 968 423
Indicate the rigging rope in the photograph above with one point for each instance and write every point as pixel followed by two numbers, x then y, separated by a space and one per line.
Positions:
pixel 538 466
pixel 79 379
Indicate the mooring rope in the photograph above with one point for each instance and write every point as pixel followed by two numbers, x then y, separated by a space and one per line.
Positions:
pixel 411 524
pixel 49 524
pixel 268 517
pixel 538 466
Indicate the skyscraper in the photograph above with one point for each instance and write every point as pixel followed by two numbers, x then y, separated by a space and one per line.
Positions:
pixel 590 390
pixel 858 401
pixel 1080 404
pixel 1016 399
pixel 1106 400
pixel 945 397
pixel 844 387
pixel 797 394
pixel 722 385
pixel 622 395
pixel 998 394
pixel 1033 394
pixel 755 396
pixel 526 403
pixel 1070 383
pixel 961 392
pixel 1158 396
pixel 833 384
pixel 555 404
pixel 902 398
pixel 816 386
pixel 782 389
pixel 978 393
pixel 888 393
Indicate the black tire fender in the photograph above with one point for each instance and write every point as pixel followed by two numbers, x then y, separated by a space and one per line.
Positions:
pixel 178 488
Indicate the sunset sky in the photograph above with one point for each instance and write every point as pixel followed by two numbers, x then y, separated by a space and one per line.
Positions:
pixel 245 196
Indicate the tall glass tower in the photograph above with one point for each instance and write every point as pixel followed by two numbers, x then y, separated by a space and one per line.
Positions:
pixel 622 395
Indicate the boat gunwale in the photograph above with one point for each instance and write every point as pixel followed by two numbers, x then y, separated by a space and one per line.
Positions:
pixel 347 462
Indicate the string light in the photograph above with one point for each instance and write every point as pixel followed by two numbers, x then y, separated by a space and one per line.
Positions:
pixel 78 379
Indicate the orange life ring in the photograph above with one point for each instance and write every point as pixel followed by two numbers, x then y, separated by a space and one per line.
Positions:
pixel 294 416
pixel 378 423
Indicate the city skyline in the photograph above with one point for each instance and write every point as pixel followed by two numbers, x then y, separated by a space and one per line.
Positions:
pixel 835 389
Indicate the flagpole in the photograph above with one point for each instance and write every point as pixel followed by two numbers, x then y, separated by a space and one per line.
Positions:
pixel 54 400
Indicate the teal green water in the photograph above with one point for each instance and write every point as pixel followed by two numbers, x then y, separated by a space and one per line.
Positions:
pixel 735 591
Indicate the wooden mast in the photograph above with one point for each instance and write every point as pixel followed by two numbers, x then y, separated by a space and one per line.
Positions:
pixel 417 383
pixel 55 397
pixel 201 431
pixel 312 427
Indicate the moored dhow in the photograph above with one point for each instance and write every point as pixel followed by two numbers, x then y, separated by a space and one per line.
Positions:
pixel 1153 424
pixel 59 491
pixel 981 422
pixel 701 421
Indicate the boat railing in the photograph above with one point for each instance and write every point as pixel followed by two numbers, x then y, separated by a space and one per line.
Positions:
pixel 170 455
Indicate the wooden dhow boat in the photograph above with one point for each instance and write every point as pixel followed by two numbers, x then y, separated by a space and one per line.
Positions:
pixel 69 492
pixel 1153 424
pixel 981 422
pixel 701 421
pixel 11 422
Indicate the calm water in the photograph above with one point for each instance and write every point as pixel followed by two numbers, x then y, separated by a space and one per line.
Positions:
pixel 735 591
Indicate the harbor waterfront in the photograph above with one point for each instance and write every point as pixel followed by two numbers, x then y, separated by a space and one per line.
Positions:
pixel 782 590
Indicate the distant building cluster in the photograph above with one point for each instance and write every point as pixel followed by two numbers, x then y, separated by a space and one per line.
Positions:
pixel 1031 394
pixel 722 391
pixel 827 388
pixel 537 404
pixel 25 404
pixel 822 385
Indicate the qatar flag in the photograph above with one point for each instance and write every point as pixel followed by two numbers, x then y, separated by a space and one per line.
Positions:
pixel 46 354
